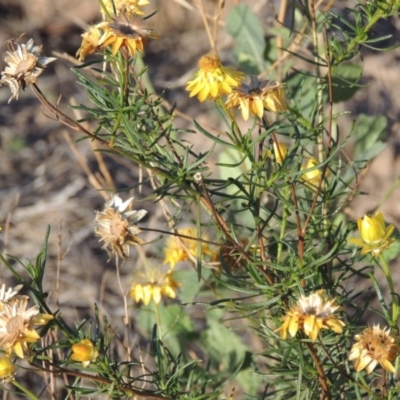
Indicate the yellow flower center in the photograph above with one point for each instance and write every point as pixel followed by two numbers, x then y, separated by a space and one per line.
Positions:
pixel 209 62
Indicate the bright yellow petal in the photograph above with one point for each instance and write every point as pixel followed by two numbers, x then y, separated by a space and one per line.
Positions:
pixel 258 107
pixel 387 365
pixel 18 349
pixel 293 326
pixel 156 294
pixel 244 108
pixel 147 294
pixel 117 45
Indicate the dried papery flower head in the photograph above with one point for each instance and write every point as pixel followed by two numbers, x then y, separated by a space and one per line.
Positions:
pixel 6 296
pixel 17 326
pixel 181 249
pixel 256 95
pixel 229 258
pixel 151 282
pixel 128 6
pixel 375 235
pixel 90 42
pixel 24 66
pixel 7 369
pixel 116 226
pixel 375 346
pixel 125 31
pixel 311 314
pixel 213 80
pixel 84 352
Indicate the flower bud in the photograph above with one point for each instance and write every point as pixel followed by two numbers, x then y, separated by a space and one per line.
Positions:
pixel 7 369
pixel 84 352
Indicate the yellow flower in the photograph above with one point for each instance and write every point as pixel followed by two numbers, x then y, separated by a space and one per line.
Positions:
pixel 375 346
pixel 24 66
pixel 181 249
pixel 151 283
pixel 129 6
pixel 311 314
pixel 375 235
pixel 280 152
pixel 125 31
pixel 254 96
pixel 90 42
pixel 213 80
pixel 16 326
pixel 7 369
pixel 116 227
pixel 84 352
pixel 312 177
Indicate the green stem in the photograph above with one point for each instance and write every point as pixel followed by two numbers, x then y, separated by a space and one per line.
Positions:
pixel 158 320
pixel 395 301
pixel 283 227
pixel 29 394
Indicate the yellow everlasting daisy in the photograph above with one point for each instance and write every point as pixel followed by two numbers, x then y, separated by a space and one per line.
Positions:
pixel 7 369
pixel 90 42
pixel 312 177
pixel 84 352
pixel 311 314
pixel 116 226
pixel 125 31
pixel 24 66
pixel 375 346
pixel 151 283
pixel 213 80
pixel 256 95
pixel 181 249
pixel 375 235
pixel 17 326
pixel 129 6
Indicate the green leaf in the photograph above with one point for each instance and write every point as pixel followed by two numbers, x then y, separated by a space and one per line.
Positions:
pixel 366 133
pixel 190 283
pixel 175 325
pixel 224 347
pixel 247 31
pixel 345 78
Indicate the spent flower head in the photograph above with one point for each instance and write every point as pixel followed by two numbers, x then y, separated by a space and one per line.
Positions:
pixel 116 226
pixel 17 326
pixel 151 282
pixel 375 346
pixel 24 66
pixel 125 31
pixel 181 249
pixel 84 352
pixel 311 314
pixel 213 80
pixel 256 95
pixel 375 235
pixel 129 6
